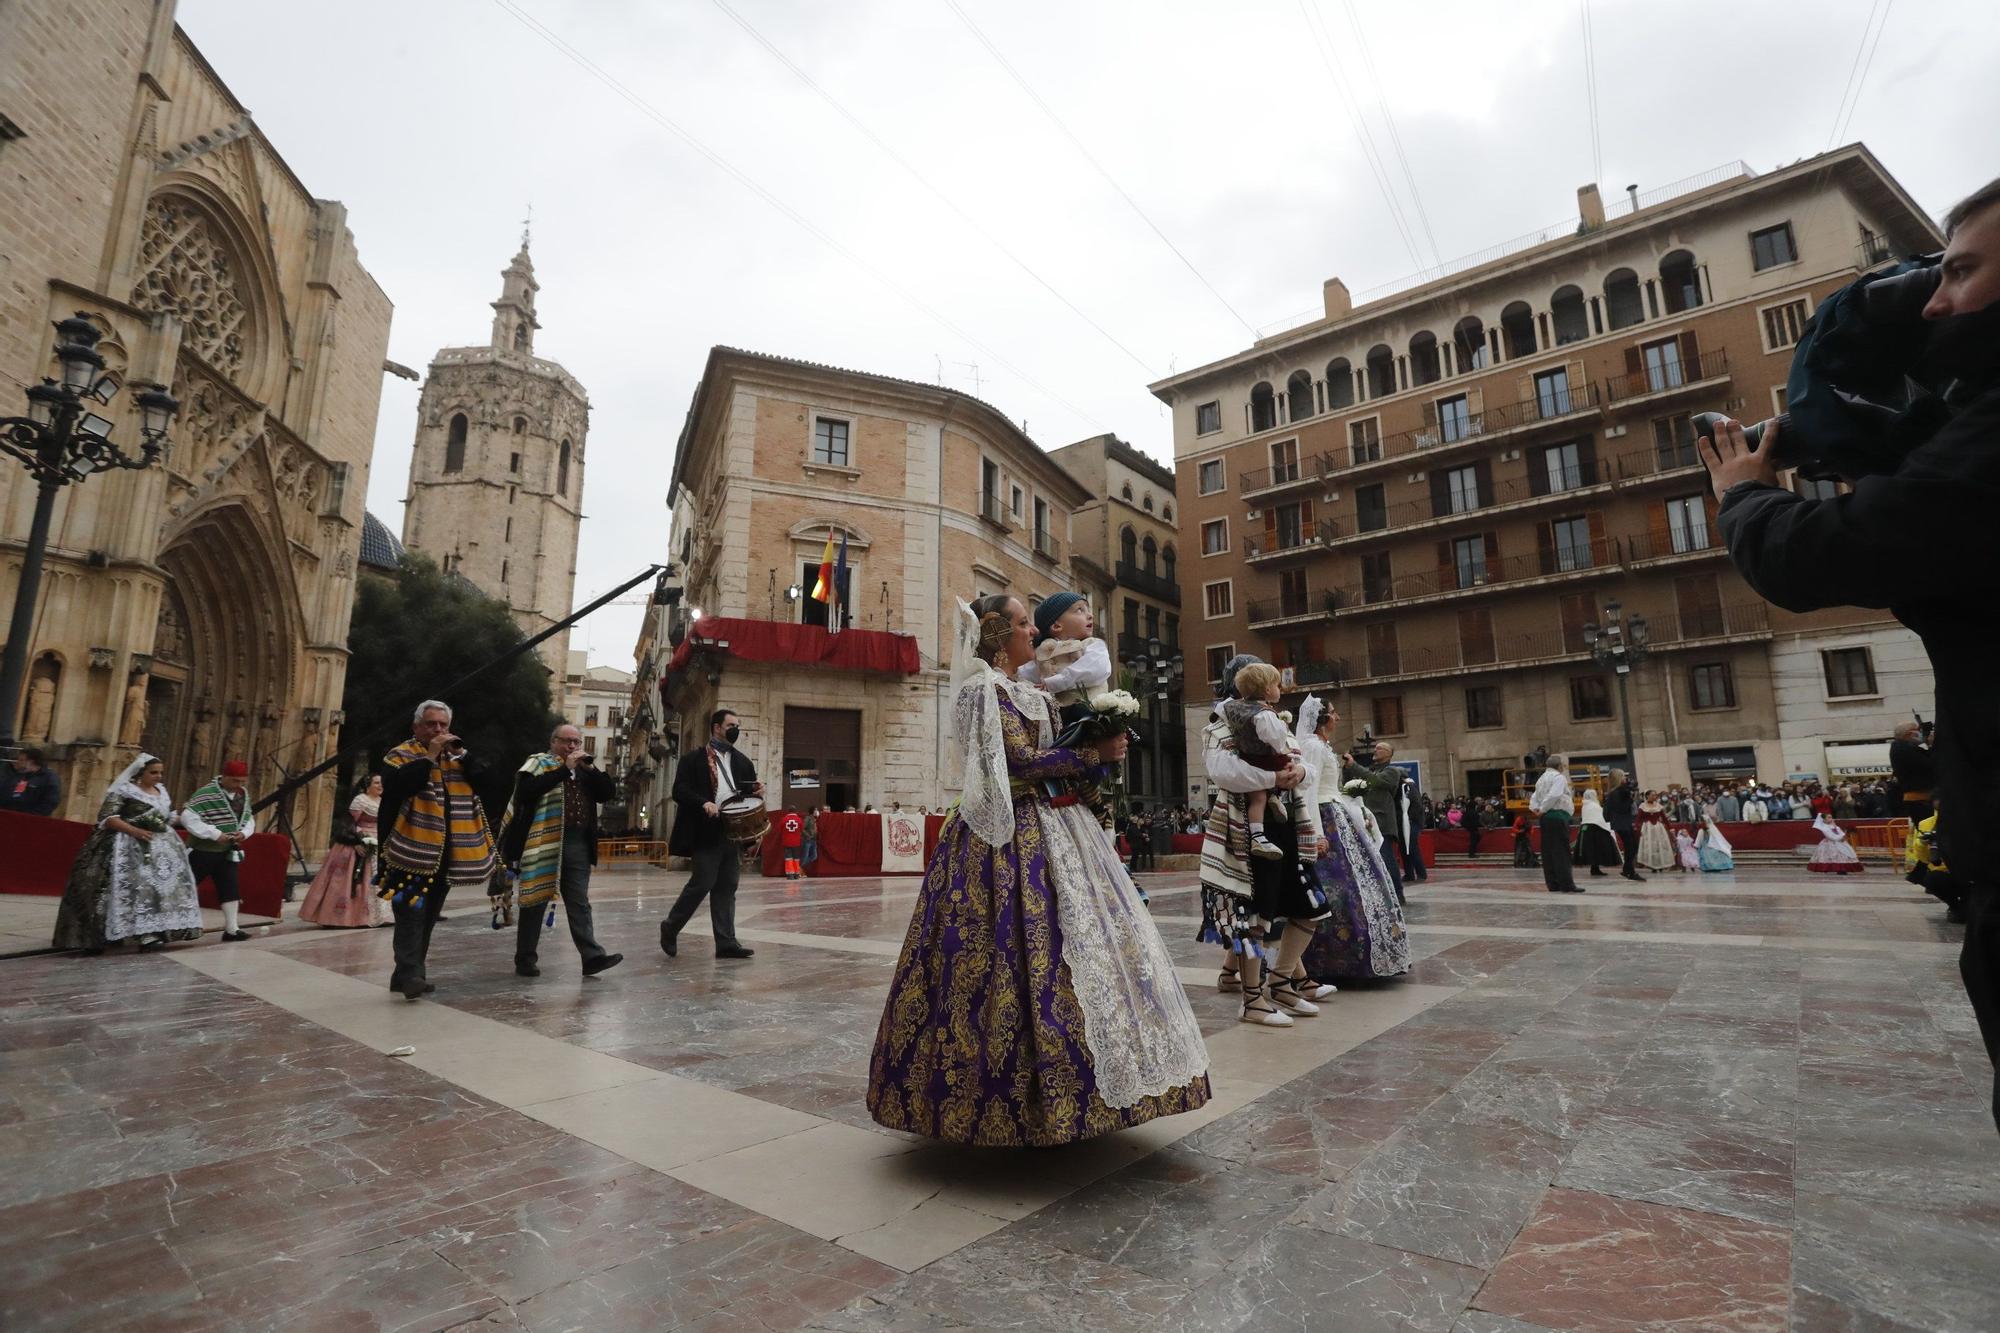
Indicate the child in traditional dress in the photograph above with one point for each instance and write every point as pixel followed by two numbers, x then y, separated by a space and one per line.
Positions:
pixel 1835 855
pixel 1262 739
pixel 1684 851
pixel 1071 663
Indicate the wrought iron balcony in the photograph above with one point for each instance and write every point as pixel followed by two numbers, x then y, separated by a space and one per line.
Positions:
pixel 1140 579
pixel 1670 377
pixel 1469 576
pixel 992 509
pixel 1303 540
pixel 1543 484
pixel 1046 545
pixel 1709 625
pixel 1307 472
pixel 1508 421
pixel 1269 612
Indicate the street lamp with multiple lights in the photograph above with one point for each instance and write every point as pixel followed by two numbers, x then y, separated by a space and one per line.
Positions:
pixel 1621 645
pixel 62 441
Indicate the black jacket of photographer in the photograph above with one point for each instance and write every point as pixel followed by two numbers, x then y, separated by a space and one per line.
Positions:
pixel 529 788
pixel 694 786
pixel 1924 542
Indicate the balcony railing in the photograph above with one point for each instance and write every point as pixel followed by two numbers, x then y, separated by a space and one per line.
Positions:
pixel 1598 555
pixel 1140 579
pixel 1132 644
pixel 1554 405
pixel 1542 483
pixel 1306 539
pixel 1669 376
pixel 1308 471
pixel 1046 545
pixel 1281 610
pixel 1688 543
pixel 1306 675
pixel 1669 631
pixel 992 509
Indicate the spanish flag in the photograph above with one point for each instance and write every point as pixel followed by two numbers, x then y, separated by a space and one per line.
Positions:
pixel 823 586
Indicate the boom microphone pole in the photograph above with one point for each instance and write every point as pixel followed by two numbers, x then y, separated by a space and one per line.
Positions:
pixel 293 784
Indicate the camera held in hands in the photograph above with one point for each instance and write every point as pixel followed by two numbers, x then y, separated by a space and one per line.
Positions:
pixel 1871 378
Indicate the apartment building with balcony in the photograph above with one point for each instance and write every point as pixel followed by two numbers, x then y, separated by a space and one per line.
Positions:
pixel 1419 504
pixel 1127 530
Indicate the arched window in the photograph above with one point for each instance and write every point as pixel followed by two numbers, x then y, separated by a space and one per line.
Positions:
pixel 1339 383
pixel 562 470
pixel 1167 512
pixel 1148 504
pixel 1151 549
pixel 1517 330
pixel 1128 546
pixel 1381 371
pixel 1298 396
pixel 1622 305
pixel 1424 358
pixel 520 425
pixel 454 444
pixel 1468 342
pixel 521 337
pixel 1125 492
pixel 1167 559
pixel 1571 321
pixel 1263 408
pixel 1681 281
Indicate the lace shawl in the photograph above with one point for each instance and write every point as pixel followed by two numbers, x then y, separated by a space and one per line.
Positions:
pixel 986 803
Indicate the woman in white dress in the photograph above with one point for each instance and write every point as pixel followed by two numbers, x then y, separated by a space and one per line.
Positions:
pixel 1835 855
pixel 131 880
pixel 1656 848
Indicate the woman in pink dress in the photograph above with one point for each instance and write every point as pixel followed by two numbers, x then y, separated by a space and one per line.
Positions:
pixel 343 893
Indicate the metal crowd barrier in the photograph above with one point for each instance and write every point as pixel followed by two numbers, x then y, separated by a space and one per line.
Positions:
pixel 1889 840
pixel 630 851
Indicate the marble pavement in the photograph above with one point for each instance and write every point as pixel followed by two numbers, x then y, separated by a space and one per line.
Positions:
pixel 1749 1101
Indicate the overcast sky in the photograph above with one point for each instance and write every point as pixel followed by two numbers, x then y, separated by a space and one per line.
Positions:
pixel 438 122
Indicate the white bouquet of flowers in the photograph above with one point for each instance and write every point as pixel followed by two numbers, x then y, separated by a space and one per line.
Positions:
pixel 1114 703
pixel 1109 713
pixel 1354 787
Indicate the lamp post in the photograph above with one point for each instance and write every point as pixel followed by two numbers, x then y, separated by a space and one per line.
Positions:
pixel 1620 644
pixel 1157 674
pixel 61 441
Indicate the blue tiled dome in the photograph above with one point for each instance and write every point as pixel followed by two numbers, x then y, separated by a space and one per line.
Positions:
pixel 379 547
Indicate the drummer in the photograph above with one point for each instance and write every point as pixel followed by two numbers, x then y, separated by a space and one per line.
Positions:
pixel 705 780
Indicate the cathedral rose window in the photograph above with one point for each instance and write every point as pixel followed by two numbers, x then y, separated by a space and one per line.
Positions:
pixel 187 271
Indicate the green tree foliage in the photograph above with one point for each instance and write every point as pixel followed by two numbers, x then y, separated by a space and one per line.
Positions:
pixel 414 634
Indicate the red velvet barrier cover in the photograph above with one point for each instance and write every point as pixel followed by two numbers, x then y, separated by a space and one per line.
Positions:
pixel 807 645
pixel 36 853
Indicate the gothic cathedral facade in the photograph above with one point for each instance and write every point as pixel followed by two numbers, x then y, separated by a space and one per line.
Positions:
pixel 196 610
pixel 496 479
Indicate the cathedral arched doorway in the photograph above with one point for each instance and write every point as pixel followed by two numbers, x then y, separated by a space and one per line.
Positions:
pixel 226 653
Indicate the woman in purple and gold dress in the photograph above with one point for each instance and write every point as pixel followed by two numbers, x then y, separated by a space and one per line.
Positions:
pixel 1034 1003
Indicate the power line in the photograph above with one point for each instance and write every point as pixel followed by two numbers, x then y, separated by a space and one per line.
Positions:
pixel 1336 74
pixel 1590 96
pixel 1857 73
pixel 1395 136
pixel 748 182
pixel 1099 167
pixel 924 181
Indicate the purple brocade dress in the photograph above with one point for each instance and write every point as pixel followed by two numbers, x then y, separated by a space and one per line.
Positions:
pixel 1363 938
pixel 982 1039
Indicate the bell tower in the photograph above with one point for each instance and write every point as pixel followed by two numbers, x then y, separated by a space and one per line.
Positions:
pixel 496 479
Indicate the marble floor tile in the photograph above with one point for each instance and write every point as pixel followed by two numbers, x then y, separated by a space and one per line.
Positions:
pixel 1418 1197
pixel 1295 1278
pixel 1592 1262
pixel 1664 1154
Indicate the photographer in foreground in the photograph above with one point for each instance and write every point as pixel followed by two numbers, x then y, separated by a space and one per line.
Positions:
pixel 1935 507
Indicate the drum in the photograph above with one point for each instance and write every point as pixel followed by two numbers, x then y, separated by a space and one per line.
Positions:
pixel 744 818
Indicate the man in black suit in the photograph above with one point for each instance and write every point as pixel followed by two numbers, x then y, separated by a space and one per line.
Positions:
pixel 1916 773
pixel 703 780
pixel 1622 813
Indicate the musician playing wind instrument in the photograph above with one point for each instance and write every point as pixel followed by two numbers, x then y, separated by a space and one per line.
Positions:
pixel 705 781
pixel 549 837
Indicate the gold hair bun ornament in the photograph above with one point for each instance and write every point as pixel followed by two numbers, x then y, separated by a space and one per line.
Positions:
pixel 994 631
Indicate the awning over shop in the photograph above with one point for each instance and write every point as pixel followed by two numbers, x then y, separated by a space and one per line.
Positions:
pixel 802 645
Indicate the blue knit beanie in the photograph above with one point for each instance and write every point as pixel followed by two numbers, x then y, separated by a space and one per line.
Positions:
pixel 1051 609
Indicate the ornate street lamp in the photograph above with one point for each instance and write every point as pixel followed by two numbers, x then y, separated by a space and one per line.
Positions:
pixel 60 442
pixel 1620 645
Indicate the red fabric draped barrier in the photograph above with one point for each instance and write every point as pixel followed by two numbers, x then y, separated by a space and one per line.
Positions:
pixel 36 853
pixel 805 645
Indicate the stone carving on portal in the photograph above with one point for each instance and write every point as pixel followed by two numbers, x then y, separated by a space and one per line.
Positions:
pixel 133 727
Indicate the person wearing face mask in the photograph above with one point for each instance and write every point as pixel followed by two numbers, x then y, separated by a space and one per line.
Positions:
pixel 704 780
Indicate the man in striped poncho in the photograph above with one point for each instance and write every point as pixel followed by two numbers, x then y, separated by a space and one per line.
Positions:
pixel 434 836
pixel 550 837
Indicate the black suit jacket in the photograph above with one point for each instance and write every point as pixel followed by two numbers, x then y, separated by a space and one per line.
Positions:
pixel 696 830
pixel 1618 808
pixel 1913 766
